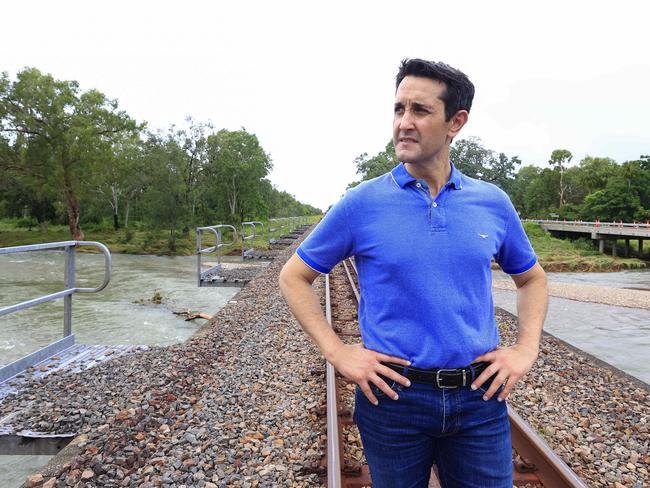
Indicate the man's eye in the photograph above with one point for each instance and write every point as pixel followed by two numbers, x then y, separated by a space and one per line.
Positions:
pixel 399 110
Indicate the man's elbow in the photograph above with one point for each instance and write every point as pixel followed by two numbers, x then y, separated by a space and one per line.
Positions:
pixel 536 276
pixel 284 279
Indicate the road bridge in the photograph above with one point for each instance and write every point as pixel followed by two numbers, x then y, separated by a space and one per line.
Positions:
pixel 601 232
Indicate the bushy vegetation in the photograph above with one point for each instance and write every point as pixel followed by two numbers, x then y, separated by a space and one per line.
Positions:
pixel 597 188
pixel 69 157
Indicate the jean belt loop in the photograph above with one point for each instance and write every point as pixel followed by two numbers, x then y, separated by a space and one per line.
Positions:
pixel 473 370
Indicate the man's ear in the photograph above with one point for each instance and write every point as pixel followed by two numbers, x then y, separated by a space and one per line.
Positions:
pixel 456 123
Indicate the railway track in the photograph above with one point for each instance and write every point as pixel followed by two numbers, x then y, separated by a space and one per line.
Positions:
pixel 535 463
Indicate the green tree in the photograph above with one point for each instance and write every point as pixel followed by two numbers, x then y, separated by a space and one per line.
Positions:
pixel 381 163
pixel 522 180
pixel 594 173
pixel 235 167
pixel 541 194
pixel 614 203
pixel 164 195
pixel 559 160
pixel 66 129
pixel 471 158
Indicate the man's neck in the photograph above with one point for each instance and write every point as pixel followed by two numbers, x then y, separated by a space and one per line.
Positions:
pixel 436 173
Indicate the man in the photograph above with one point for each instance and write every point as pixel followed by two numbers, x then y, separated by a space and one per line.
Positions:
pixel 431 379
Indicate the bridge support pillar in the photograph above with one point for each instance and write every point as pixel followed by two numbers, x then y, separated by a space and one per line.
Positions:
pixel 601 246
pixel 640 247
pixel 627 248
pixel 614 250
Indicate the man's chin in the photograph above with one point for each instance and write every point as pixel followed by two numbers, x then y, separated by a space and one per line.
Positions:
pixel 405 156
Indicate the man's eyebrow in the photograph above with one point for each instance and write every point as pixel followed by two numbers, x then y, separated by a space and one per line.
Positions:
pixel 419 105
pixel 415 105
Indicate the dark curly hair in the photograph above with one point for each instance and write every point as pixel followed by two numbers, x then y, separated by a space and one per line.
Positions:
pixel 460 91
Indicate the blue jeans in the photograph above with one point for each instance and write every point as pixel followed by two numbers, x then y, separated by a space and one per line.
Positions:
pixel 466 437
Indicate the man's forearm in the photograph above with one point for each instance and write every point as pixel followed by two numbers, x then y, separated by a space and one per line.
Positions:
pixel 306 307
pixel 532 303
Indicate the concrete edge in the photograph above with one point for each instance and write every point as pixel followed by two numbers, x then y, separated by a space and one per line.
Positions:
pixel 60 462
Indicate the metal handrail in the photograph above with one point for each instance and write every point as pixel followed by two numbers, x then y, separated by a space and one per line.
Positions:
pixel 69 271
pixel 70 288
pixel 250 252
pixel 275 225
pixel 216 230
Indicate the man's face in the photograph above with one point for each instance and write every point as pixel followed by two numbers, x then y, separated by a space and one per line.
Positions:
pixel 420 131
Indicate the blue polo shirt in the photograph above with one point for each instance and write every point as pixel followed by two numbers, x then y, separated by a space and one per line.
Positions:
pixel 424 264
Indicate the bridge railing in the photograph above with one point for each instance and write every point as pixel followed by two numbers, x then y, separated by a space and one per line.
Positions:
pixel 217 230
pixel 597 223
pixel 69 283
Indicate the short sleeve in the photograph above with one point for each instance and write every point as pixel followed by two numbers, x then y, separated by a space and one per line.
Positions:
pixel 330 242
pixel 516 254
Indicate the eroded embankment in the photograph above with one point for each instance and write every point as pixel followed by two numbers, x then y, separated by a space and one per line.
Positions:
pixel 234 406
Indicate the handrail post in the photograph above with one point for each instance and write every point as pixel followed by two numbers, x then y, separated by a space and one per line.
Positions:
pixel 69 279
pixel 198 257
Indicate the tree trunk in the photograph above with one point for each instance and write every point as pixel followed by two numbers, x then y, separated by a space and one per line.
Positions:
pixel 126 214
pixel 561 186
pixel 114 204
pixel 72 207
pixel 172 238
pixel 232 198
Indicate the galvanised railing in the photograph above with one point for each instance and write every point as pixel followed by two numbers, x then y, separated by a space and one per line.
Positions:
pixel 249 252
pixel 217 231
pixel 69 283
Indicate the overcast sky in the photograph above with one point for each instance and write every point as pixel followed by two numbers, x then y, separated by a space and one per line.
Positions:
pixel 315 80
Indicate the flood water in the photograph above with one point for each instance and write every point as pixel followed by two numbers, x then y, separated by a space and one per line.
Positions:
pixel 122 313
pixel 619 336
pixel 108 317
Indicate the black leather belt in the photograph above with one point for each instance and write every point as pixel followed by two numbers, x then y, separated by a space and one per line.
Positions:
pixel 444 378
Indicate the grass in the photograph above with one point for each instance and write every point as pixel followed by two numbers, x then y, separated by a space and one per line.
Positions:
pixel 127 241
pixel 581 255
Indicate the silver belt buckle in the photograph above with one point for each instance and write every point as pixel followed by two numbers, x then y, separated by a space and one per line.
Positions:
pixel 446 387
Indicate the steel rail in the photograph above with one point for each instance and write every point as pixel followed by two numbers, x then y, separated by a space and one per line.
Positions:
pixel 351 280
pixel 334 453
pixel 551 470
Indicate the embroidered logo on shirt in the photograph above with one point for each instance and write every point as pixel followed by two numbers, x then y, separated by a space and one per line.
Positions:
pixel 484 236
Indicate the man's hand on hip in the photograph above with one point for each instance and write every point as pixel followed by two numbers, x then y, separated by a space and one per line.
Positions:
pixel 509 364
pixel 363 366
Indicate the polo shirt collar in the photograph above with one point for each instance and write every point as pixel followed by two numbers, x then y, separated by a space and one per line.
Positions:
pixel 403 177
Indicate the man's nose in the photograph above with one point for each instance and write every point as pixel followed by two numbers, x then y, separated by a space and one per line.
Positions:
pixel 406 122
